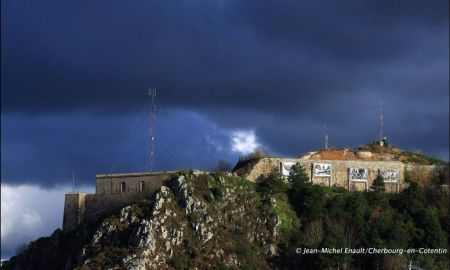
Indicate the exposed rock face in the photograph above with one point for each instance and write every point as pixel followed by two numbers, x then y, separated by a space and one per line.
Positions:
pixel 195 221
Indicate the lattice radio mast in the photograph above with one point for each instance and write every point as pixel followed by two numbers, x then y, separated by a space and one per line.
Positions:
pixel 326 136
pixel 152 94
pixel 381 121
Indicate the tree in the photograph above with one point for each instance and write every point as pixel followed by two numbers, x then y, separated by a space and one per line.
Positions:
pixel 311 202
pixel 356 209
pixel 223 166
pixel 334 238
pixel 412 198
pixel 299 180
pixel 271 184
pixel 307 199
pixel 378 184
pixel 297 175
pixel 259 152
pixel 427 220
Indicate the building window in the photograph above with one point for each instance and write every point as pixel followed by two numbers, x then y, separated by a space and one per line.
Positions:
pixel 141 186
pixel 123 187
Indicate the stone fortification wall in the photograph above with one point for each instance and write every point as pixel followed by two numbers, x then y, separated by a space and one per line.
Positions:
pixel 111 183
pixel 74 210
pixel 99 205
pixel 339 171
pixel 109 196
pixel 427 174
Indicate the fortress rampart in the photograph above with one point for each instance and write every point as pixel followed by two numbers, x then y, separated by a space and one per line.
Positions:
pixel 128 183
pixel 340 172
pixel 74 210
pixel 112 191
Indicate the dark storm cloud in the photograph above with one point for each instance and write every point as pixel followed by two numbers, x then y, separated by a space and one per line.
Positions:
pixel 347 30
pixel 282 68
pixel 204 54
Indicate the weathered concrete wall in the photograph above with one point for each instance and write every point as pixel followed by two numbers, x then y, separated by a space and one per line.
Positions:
pixel 339 171
pixel 74 210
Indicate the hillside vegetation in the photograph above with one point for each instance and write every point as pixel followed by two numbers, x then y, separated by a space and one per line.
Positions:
pixel 336 218
pixel 394 153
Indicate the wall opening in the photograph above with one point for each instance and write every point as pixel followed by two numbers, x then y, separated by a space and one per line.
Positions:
pixel 123 187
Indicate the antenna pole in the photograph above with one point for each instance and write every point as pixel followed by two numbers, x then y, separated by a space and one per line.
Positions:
pixel 326 136
pixel 152 94
pixel 381 121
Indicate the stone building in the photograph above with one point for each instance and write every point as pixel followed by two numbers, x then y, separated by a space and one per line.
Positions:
pixel 351 169
pixel 112 191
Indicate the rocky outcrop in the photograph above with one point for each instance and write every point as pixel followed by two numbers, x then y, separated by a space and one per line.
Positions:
pixel 194 221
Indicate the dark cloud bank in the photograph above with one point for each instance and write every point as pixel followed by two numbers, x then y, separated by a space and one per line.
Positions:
pixel 74 79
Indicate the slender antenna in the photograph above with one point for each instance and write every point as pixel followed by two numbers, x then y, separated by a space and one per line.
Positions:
pixel 326 136
pixel 73 180
pixel 152 94
pixel 381 121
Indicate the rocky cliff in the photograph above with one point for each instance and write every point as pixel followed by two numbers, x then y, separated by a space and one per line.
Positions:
pixel 194 221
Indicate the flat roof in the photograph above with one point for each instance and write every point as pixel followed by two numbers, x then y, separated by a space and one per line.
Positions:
pixel 118 175
pixel 340 160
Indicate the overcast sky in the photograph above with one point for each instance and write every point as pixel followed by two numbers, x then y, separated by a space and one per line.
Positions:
pixel 75 77
pixel 231 76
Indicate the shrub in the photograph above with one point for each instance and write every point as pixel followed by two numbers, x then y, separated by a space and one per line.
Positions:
pixel 176 263
pixel 271 184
